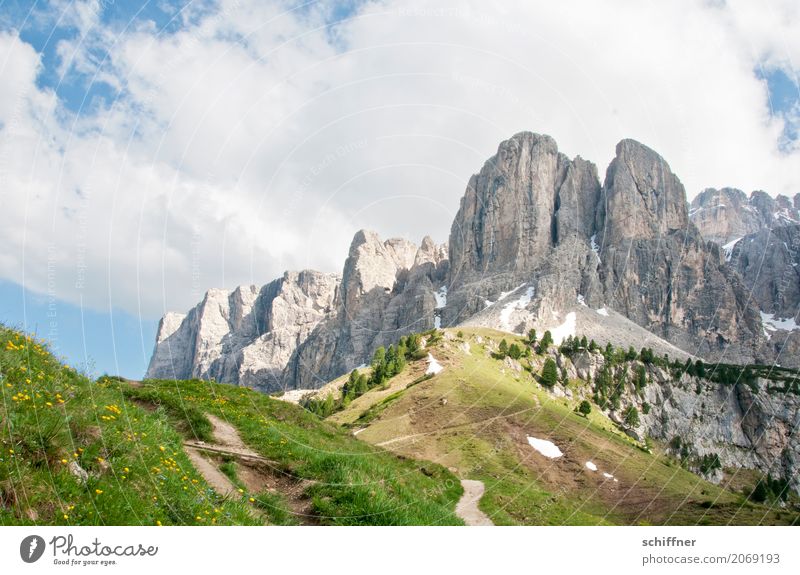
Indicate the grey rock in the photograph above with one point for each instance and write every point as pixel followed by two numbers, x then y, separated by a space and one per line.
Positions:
pixel 246 336
pixel 727 214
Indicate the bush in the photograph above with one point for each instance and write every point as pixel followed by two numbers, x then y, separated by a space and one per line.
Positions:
pixel 585 408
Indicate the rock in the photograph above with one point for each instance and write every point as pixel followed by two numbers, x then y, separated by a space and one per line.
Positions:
pixel 537 242
pixel 78 472
pixel 387 291
pixel 587 364
pixel 512 364
pixel 725 215
pixel 769 263
pixel 246 336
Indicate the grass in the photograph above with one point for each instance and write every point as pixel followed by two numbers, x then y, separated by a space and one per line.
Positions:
pixel 349 481
pixel 481 429
pixel 56 425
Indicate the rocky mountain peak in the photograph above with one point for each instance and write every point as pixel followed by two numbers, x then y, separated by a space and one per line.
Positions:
pixel 522 202
pixel 726 215
pixel 373 263
pixel 642 198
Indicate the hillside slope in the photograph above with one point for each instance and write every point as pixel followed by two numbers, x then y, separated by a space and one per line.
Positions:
pixel 80 452
pixel 480 417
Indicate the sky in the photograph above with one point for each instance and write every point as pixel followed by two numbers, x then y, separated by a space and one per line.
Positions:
pixel 152 150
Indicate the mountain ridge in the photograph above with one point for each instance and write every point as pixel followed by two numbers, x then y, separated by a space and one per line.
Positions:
pixel 530 216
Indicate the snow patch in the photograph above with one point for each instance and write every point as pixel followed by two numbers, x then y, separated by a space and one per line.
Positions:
pixel 603 311
pixel 434 366
pixel 441 297
pixel 546 448
pixel 591 466
pixel 565 330
pixel 437 322
pixel 295 395
pixel 582 300
pixel 595 247
pixel 728 248
pixel 508 309
pixel 773 323
pixel 608 475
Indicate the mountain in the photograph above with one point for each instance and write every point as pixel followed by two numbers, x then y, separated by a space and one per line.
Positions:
pixel 246 336
pixel 725 215
pixel 536 231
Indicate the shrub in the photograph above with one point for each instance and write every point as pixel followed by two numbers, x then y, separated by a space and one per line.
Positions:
pixel 585 408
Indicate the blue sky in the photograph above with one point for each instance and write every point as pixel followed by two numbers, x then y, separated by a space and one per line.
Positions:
pixel 194 192
pixel 91 341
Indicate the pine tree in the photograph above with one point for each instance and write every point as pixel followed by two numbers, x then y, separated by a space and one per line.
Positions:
pixel 531 337
pixel 549 373
pixel 641 378
pixel 632 416
pixel 503 349
pixel 328 406
pixel 585 408
pixel 547 341
pixel 514 351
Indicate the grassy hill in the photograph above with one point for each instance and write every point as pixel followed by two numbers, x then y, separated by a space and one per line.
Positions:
pixel 74 451
pixel 79 452
pixel 475 418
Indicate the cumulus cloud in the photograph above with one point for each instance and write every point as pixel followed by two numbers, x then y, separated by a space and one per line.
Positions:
pixel 256 138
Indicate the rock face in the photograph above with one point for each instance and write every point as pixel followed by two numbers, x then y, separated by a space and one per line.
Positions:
pixel 769 263
pixel 387 291
pixel 744 427
pixel 628 244
pixel 656 268
pixel 725 215
pixel 537 242
pixel 747 426
pixel 245 336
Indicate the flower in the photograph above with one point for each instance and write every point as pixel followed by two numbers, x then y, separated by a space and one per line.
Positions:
pixel 98 491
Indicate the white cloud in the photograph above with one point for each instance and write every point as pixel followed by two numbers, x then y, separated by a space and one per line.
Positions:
pixel 256 140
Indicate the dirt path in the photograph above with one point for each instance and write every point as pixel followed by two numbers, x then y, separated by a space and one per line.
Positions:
pixel 467 508
pixel 226 442
pixel 256 472
pixel 218 481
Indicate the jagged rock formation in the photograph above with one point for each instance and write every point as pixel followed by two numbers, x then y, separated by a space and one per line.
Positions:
pixel 769 263
pixel 628 244
pixel 537 241
pixel 245 336
pixel 725 215
pixel 387 291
